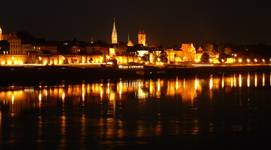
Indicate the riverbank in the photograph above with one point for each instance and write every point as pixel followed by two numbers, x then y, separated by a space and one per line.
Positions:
pixel 83 72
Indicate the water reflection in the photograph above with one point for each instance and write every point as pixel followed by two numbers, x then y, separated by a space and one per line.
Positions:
pixel 129 108
pixel 248 80
pixel 256 80
pixel 140 89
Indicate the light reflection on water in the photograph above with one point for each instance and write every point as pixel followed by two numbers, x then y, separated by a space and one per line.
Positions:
pixel 107 112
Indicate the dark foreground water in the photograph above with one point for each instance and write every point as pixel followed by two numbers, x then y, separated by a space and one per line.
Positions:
pixel 230 111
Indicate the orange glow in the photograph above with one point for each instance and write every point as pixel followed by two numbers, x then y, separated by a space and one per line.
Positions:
pixel 186 89
pixel 211 82
pixel 240 80
pixel 196 83
pixel 223 82
pixel 248 80
pixel 142 38
pixel 234 81
pixel 256 80
pixel 263 80
pixel 63 96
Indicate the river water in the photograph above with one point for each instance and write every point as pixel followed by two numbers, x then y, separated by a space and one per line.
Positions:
pixel 214 111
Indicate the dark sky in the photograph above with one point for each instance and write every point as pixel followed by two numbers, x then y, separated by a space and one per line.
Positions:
pixel 166 22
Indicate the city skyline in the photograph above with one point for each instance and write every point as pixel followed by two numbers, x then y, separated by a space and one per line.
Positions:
pixel 166 23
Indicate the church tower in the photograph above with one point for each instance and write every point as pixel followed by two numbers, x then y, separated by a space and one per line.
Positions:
pixel 142 38
pixel 1 34
pixel 114 36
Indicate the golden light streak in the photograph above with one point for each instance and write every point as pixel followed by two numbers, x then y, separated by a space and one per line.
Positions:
pixel 223 82
pixel 12 99
pixel 196 83
pixel 248 80
pixel 101 93
pixel 108 88
pixel 63 97
pixel 159 85
pixel 263 80
pixel 120 90
pixel 83 92
pixel 211 82
pixel 256 80
pixel 177 83
pixel 240 80
pixel 184 83
pixel 234 81
pixel 151 88
pixel 40 97
pixel 158 93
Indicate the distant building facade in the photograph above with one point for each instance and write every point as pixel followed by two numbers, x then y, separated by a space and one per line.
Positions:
pixel 15 44
pixel 187 53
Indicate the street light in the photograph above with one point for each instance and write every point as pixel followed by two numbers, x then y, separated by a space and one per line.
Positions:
pixel 240 60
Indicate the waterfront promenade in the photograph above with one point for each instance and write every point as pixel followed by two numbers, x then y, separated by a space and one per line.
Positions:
pixel 92 72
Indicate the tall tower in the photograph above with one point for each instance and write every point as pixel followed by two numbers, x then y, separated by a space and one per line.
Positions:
pixel 142 38
pixel 114 36
pixel 1 34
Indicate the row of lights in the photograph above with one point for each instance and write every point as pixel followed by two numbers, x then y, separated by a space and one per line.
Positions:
pixel 240 60
pixel 255 60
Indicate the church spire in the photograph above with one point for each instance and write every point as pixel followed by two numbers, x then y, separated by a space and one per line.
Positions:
pixel 114 38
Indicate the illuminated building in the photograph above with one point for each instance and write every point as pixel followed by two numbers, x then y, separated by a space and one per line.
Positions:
pixel 142 38
pixel 198 57
pixel 1 34
pixel 112 52
pixel 15 44
pixel 71 59
pixel 189 52
pixel 130 42
pixel 174 56
pixel 114 36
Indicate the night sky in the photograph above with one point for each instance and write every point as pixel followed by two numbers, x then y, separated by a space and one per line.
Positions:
pixel 166 22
